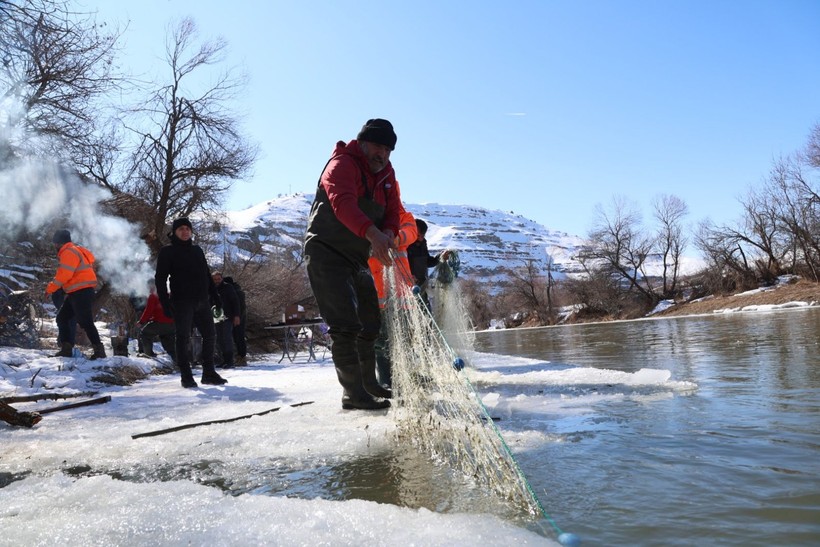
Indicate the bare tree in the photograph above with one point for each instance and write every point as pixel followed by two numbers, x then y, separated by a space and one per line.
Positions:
pixel 669 211
pixel 726 258
pixel 811 154
pixel 529 290
pixel 620 247
pixel 189 147
pixel 481 305
pixel 598 293
pixel 270 286
pixel 796 206
pixel 56 64
pixel 551 288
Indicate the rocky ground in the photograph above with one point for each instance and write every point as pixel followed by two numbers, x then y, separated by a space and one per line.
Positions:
pixel 799 291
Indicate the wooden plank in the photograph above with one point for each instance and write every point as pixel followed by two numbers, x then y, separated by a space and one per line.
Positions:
pixel 210 422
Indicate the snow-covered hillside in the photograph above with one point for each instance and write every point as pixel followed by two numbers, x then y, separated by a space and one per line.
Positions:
pixel 487 241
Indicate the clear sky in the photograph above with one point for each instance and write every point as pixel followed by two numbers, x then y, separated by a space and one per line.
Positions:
pixel 544 108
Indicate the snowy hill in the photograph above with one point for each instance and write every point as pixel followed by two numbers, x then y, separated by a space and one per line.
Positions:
pixel 487 241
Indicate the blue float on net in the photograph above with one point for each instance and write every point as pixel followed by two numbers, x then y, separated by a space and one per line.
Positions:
pixel 569 540
pixel 416 289
pixel 458 363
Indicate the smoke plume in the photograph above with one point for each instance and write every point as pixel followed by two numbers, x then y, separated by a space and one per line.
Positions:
pixel 37 196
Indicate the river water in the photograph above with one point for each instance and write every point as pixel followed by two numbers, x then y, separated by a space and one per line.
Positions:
pixel 734 462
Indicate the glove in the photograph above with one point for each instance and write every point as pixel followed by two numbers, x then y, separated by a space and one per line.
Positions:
pixel 218 314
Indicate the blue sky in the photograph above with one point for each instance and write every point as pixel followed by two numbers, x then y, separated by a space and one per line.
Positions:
pixel 544 108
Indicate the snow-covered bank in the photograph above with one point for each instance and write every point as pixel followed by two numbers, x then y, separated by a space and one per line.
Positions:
pixel 311 474
pixel 79 478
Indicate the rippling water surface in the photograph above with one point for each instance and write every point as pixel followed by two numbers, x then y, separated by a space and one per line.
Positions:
pixel 734 462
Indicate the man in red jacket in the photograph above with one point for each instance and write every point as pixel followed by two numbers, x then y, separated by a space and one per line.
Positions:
pixel 354 215
pixel 155 324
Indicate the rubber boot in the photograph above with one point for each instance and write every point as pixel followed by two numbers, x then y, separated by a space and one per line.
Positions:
pixel 355 396
pixel 99 352
pixel 66 350
pixel 210 376
pixel 187 376
pixel 371 383
pixel 383 365
pixel 384 368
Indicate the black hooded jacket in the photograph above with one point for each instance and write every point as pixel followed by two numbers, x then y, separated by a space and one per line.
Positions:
pixel 420 260
pixel 230 300
pixel 188 270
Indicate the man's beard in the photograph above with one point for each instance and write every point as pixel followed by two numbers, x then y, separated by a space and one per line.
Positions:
pixel 377 164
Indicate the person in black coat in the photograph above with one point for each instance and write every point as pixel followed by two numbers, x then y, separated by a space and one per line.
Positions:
pixel 421 260
pixel 231 317
pixel 183 265
pixel 240 344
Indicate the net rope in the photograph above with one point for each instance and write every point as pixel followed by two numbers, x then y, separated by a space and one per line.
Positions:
pixel 435 406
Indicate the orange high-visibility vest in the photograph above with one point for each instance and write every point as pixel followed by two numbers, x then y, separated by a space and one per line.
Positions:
pixel 408 233
pixel 76 270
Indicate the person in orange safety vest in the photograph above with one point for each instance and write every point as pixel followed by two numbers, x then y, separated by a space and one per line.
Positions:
pixel 75 276
pixel 401 277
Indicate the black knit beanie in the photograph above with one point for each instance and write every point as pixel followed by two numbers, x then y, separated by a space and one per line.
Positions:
pixel 61 237
pixel 379 131
pixel 182 221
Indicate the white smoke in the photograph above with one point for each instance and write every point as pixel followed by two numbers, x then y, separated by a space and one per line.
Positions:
pixel 36 193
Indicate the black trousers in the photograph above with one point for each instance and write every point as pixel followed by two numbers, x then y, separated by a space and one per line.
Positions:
pixel 189 314
pixel 166 332
pixel 78 305
pixel 348 303
pixel 239 339
pixel 224 340
pixel 58 298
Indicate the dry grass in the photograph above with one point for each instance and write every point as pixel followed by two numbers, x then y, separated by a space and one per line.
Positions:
pixel 125 375
pixel 800 291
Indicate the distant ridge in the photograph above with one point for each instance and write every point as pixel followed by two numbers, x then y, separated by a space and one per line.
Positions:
pixel 488 241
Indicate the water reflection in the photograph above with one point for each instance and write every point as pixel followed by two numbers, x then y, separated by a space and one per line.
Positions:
pixel 401 476
pixel 736 462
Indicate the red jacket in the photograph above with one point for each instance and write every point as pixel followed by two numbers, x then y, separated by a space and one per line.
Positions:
pixel 153 311
pixel 342 182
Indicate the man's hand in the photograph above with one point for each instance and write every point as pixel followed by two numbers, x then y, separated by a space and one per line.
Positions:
pixel 380 244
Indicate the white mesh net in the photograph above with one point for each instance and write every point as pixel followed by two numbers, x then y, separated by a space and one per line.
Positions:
pixel 435 406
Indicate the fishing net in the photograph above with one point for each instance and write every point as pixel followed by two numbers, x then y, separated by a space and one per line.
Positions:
pixel 448 306
pixel 435 406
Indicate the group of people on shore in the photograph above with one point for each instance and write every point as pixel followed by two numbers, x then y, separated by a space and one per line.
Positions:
pixel 357 226
pixel 183 295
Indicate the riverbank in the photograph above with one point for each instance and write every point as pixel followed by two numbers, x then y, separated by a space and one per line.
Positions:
pixel 799 292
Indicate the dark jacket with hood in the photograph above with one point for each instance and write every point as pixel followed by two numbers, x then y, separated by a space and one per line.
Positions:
pixel 420 260
pixel 230 300
pixel 240 296
pixel 187 267
pixel 350 199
